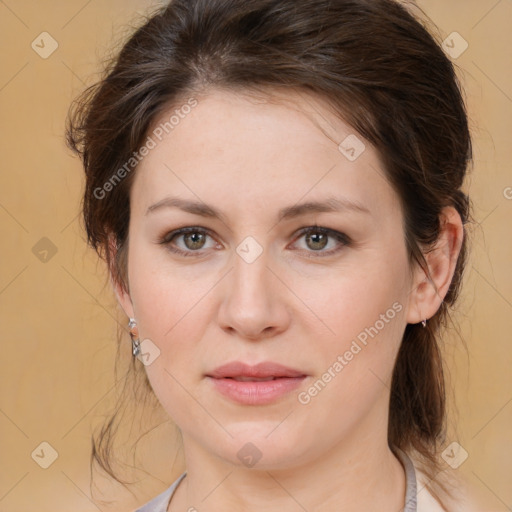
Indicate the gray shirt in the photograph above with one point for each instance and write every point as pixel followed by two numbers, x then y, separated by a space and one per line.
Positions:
pixel 161 502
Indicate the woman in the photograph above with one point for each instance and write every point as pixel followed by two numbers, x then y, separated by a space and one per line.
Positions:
pixel 276 187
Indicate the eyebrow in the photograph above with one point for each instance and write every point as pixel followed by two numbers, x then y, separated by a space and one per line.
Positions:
pixel 330 204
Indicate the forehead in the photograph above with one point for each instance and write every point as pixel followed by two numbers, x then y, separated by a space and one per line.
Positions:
pixel 255 150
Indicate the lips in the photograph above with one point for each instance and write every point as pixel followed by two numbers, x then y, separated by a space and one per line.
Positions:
pixel 262 384
pixel 261 372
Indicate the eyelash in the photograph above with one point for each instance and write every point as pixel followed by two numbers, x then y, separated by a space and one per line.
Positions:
pixel 343 239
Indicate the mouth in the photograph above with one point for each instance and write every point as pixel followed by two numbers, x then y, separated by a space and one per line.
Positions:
pixel 243 378
pixel 255 385
pixel 265 371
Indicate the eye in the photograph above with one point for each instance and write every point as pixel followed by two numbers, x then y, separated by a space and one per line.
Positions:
pixel 193 238
pixel 317 239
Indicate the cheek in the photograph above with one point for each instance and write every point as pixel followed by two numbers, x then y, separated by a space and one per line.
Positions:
pixel 347 303
pixel 354 367
pixel 170 309
pixel 165 298
pixel 363 320
pixel 368 329
pixel 171 314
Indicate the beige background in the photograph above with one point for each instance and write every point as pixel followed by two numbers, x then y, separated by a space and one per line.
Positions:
pixel 58 319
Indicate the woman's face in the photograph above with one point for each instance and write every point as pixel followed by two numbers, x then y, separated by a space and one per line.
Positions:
pixel 252 285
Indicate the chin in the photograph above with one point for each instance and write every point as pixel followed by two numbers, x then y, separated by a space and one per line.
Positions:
pixel 262 448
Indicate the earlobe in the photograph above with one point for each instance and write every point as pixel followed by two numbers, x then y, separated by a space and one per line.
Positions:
pixel 430 290
pixel 123 298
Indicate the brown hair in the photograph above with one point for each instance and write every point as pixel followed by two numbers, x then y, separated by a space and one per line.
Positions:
pixel 383 72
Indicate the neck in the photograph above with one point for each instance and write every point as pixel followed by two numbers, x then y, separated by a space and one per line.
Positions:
pixel 359 473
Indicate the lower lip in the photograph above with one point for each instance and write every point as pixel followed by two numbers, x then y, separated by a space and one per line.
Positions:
pixel 256 392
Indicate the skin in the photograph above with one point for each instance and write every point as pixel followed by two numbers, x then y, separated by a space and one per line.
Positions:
pixel 249 157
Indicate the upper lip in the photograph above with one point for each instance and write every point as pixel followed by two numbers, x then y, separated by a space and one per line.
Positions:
pixel 261 370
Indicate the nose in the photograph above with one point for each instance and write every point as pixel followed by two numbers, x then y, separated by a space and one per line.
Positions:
pixel 254 300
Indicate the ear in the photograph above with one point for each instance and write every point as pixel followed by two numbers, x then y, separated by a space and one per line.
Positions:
pixel 122 295
pixel 429 291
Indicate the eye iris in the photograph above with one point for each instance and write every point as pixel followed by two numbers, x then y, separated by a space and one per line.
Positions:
pixel 317 238
pixel 197 238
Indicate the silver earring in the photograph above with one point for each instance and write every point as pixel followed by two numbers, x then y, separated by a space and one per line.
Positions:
pixel 424 323
pixel 134 335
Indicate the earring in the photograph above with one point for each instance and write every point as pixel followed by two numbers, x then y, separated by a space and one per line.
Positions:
pixel 134 335
pixel 424 322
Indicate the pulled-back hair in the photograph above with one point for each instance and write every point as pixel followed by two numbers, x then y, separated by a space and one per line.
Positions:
pixel 379 67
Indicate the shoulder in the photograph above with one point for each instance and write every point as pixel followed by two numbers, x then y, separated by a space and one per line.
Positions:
pixel 461 498
pixel 160 503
